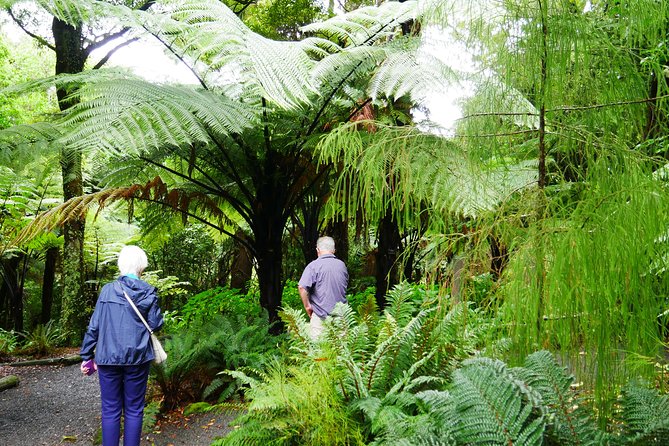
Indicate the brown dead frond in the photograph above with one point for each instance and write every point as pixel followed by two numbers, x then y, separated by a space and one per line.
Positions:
pixel 155 191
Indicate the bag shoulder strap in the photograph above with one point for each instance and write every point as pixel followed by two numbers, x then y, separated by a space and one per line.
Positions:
pixel 134 307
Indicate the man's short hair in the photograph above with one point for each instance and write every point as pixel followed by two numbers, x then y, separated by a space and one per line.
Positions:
pixel 132 260
pixel 325 244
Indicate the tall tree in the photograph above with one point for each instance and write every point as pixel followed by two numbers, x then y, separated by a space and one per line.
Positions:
pixel 242 147
pixel 572 86
pixel 73 38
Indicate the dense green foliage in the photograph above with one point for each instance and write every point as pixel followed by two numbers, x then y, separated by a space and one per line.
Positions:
pixel 539 222
pixel 403 378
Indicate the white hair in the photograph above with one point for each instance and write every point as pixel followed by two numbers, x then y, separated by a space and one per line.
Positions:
pixel 325 244
pixel 132 260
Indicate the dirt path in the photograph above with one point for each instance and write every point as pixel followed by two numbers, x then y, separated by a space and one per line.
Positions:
pixel 56 405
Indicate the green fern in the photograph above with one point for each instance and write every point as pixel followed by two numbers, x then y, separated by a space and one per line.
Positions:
pixel 491 407
pixel 644 412
pixel 569 422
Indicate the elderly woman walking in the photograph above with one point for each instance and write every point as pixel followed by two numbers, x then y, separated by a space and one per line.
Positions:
pixel 120 345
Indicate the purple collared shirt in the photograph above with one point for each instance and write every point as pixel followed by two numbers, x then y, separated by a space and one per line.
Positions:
pixel 325 279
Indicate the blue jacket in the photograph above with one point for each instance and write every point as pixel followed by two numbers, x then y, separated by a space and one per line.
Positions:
pixel 115 332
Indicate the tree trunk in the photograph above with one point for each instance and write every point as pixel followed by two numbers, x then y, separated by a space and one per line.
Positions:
pixel 309 228
pixel 499 256
pixel 268 225
pixel 270 260
pixel 338 230
pixel 242 266
pixel 48 283
pixel 70 58
pixel 386 258
pixel 10 293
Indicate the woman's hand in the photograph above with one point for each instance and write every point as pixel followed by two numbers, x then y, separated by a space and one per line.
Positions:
pixel 88 367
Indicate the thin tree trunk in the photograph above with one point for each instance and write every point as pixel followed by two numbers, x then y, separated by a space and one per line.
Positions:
pixel 499 256
pixel 310 228
pixel 541 268
pixel 11 293
pixel 338 230
pixel 386 258
pixel 48 283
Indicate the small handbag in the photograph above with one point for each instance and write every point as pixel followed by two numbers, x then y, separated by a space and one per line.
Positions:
pixel 159 354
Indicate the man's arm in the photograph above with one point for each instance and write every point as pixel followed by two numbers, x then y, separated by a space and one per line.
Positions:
pixel 304 294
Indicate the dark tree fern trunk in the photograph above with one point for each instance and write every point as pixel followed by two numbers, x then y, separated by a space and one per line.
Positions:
pixel 386 258
pixel 309 228
pixel 269 255
pixel 70 58
pixel 338 230
pixel 269 220
pixel 48 283
pixel 11 294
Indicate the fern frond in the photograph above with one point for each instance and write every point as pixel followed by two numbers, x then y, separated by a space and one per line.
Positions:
pixel 366 25
pixel 298 328
pixel 490 406
pixel 134 116
pixel 211 34
pixel 430 169
pixel 644 412
pixel 153 191
pixel 569 422
pixel 408 70
pixel 73 12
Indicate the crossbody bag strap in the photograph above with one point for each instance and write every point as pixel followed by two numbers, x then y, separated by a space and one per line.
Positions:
pixel 132 304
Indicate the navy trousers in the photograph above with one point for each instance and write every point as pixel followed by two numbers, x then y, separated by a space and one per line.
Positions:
pixel 122 389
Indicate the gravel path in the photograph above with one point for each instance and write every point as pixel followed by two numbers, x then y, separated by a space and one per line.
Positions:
pixel 51 405
pixel 57 405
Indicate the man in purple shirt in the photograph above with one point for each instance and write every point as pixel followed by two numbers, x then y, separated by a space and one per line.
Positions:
pixel 323 284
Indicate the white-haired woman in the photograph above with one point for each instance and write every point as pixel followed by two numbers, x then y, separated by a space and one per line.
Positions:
pixel 120 344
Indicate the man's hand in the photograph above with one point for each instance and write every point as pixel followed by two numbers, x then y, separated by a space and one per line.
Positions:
pixel 304 295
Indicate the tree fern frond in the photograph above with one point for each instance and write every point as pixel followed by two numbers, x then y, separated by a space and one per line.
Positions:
pixel 410 71
pixel 366 25
pixel 135 116
pixel 21 142
pixel 430 169
pixel 211 34
pixel 153 191
pixel 502 101
pixel 339 68
pixel 73 12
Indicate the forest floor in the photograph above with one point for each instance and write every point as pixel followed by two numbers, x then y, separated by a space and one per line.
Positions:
pixel 57 405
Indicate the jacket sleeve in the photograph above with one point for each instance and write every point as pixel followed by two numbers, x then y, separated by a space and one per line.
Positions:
pixel 91 337
pixel 155 317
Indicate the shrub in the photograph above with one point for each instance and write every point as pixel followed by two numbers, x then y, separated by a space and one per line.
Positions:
pixel 43 340
pixel 198 352
pixel 8 342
